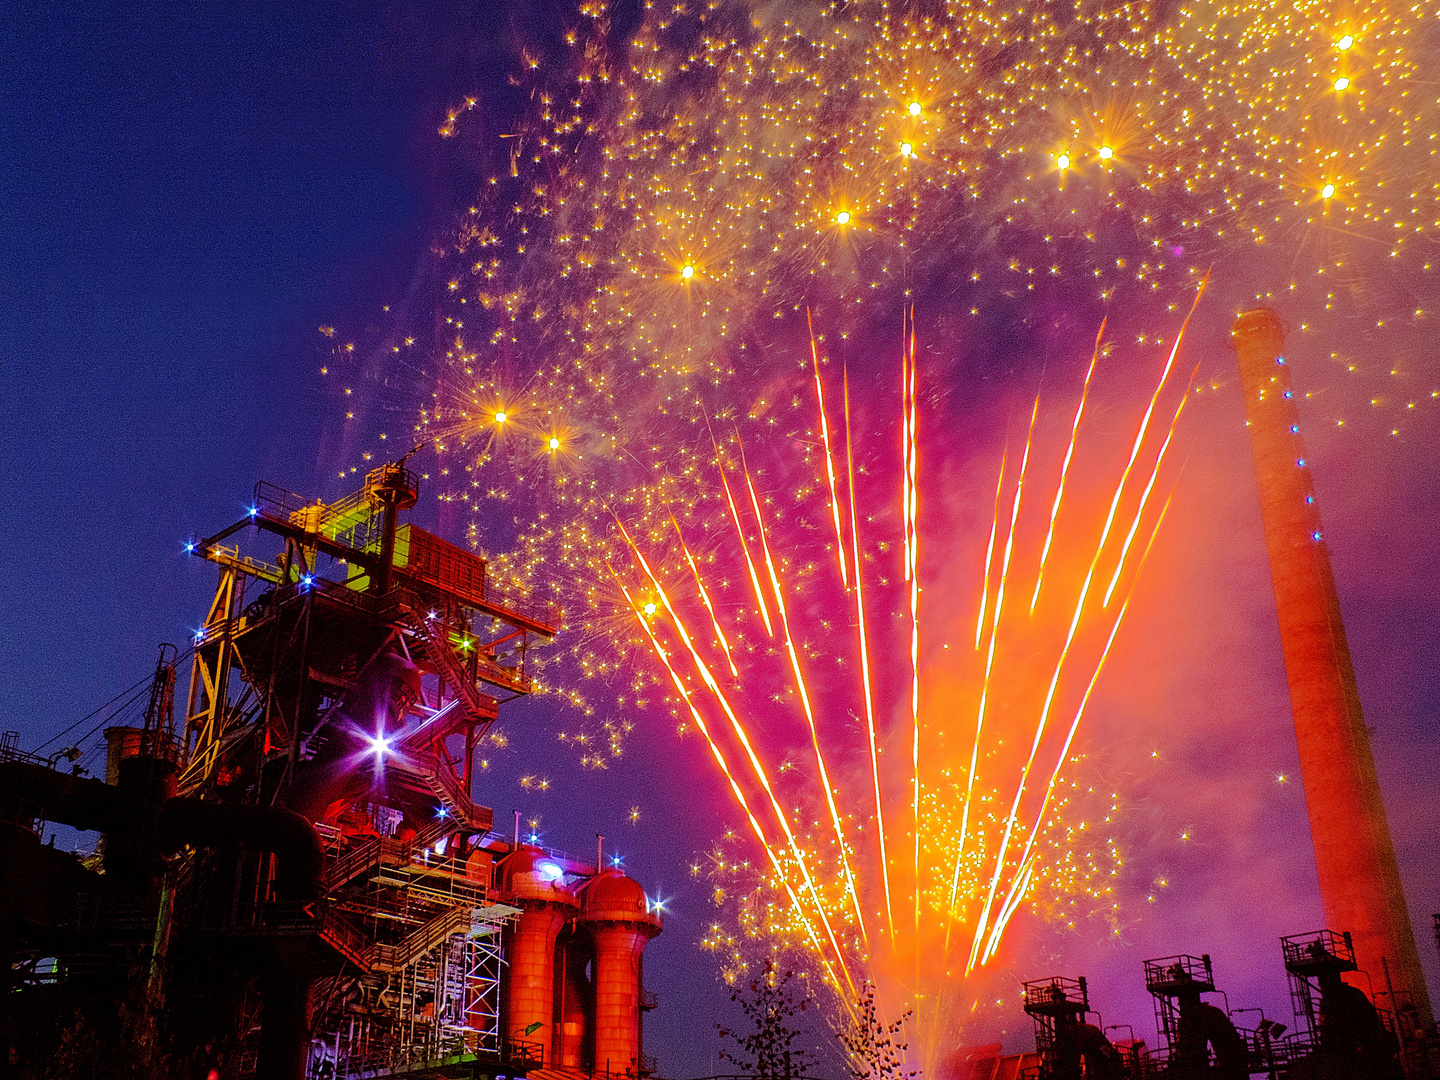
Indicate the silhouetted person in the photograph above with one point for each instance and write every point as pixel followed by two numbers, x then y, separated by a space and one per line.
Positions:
pixel 1077 1042
pixel 1204 1029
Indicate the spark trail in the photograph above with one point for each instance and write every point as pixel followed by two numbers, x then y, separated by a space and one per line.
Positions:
pixel 912 575
pixel 975 846
pixel 1017 892
pixel 1050 693
pixel 735 789
pixel 761 774
pixel 1065 468
pixel 842 845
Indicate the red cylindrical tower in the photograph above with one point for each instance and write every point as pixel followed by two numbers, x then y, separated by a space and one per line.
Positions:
pixel 1359 879
pixel 535 884
pixel 620 923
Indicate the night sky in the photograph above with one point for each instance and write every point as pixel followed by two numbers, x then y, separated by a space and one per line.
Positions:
pixel 189 192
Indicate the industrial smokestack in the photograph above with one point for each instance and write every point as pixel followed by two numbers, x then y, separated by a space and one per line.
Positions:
pixel 1359 880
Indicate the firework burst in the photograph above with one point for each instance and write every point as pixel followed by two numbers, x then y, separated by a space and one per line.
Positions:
pixel 616 327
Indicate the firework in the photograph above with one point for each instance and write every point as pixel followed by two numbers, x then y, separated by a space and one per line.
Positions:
pixel 971 868
pixel 622 303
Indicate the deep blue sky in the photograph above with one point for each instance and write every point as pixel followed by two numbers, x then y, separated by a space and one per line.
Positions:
pixel 187 192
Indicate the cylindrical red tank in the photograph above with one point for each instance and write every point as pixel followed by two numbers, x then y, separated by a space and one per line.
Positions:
pixel 620 922
pixel 534 883
pixel 1359 881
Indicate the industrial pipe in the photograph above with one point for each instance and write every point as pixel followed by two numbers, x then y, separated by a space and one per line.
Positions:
pixel 1360 885
pixel 84 804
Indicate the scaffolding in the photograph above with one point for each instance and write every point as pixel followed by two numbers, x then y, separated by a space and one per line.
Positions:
pixel 1049 1002
pixel 1167 979
pixel 1307 957
pixel 352 585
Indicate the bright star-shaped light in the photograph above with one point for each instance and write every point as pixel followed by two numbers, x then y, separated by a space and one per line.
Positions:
pixel 1342 83
pixel 501 416
pixel 1345 42
pixel 1107 152
pixel 687 271
pixel 1063 161
pixel 914 108
pixel 842 218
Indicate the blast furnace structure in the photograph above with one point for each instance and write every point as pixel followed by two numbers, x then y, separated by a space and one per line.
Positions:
pixel 294 878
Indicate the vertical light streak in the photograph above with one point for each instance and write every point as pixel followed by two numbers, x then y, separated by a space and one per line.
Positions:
pixel 865 664
pixel 1065 468
pixel 907 442
pixel 1149 486
pixel 990 554
pixel 705 598
pixel 995 634
pixel 985 681
pixel 809 712
pixel 912 561
pixel 735 788
pixel 829 457
pixel 1021 884
pixel 1000 861
pixel 744 739
pixel 745 550
pixel 1012 901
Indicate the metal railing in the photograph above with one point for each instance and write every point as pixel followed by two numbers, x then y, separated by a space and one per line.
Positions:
pixel 513 1056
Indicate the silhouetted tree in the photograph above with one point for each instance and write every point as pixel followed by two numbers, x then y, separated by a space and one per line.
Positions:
pixel 875 1049
pixel 771 1002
